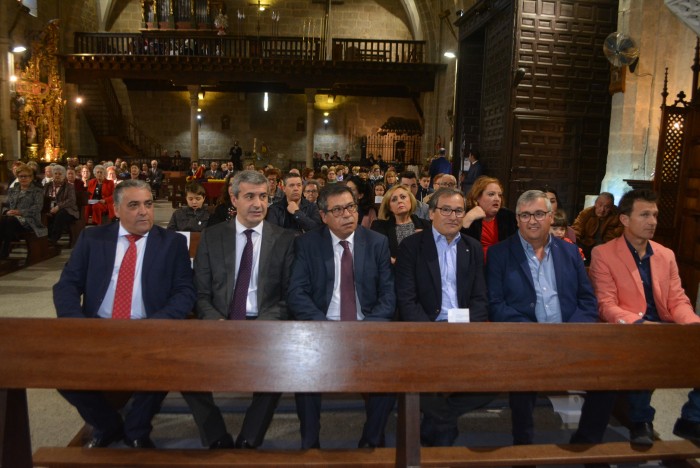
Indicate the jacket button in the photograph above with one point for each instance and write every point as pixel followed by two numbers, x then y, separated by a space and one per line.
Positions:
pixel 532 304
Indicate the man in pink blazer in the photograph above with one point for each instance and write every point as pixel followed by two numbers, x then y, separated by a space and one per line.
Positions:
pixel 621 272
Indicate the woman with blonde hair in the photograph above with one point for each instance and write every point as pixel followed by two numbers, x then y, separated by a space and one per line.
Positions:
pixel 397 220
pixel 487 220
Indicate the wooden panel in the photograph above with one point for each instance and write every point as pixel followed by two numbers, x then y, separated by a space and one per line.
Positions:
pixel 560 47
pixel 558 43
pixel 433 456
pixel 309 356
pixel 495 104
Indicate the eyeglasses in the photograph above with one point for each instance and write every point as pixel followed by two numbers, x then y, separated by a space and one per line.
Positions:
pixel 446 184
pixel 538 215
pixel 338 210
pixel 24 176
pixel 447 211
pixel 310 191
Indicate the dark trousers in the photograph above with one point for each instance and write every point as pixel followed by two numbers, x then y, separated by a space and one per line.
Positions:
pixel 58 224
pixel 378 407
pixel 207 416
pixel 10 227
pixel 595 415
pixel 97 411
pixel 258 417
pixel 442 412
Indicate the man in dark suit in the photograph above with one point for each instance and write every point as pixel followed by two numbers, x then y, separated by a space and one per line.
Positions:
pixel 155 177
pixel 342 271
pixel 126 270
pixel 217 270
pixel 475 171
pixel 440 269
pixel 534 277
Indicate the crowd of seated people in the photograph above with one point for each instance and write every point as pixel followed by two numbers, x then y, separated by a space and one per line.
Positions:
pixel 413 268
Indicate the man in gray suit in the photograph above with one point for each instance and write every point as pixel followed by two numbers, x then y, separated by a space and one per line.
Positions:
pixel 246 249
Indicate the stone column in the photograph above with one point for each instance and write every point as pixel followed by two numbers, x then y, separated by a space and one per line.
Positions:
pixel 310 126
pixel 663 41
pixel 194 124
pixel 7 138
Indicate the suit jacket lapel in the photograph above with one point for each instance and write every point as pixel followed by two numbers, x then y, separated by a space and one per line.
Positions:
pixel 519 253
pixel 359 250
pixel 328 257
pixel 431 253
pixel 228 247
pixel 463 258
pixel 627 259
pixel 266 244
pixel 109 252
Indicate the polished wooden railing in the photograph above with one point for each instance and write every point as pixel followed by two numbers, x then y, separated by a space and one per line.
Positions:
pixel 264 47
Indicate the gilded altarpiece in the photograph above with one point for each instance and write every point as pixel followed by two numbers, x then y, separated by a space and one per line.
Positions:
pixel 39 98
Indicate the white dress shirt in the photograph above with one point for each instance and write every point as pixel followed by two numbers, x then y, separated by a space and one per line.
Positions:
pixel 138 308
pixel 333 312
pixel 241 239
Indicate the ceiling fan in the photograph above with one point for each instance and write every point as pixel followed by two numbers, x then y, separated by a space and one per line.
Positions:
pixel 261 6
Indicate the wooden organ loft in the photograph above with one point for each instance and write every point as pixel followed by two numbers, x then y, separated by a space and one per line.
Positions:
pixel 179 14
pixel 677 180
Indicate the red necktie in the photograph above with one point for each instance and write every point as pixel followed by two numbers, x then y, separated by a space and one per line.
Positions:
pixel 237 308
pixel 125 281
pixel 348 306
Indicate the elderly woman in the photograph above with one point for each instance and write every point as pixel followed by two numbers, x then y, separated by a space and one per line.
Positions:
pixel 487 220
pixel 22 212
pixel 396 218
pixel 63 208
pixel 100 191
pixel 73 180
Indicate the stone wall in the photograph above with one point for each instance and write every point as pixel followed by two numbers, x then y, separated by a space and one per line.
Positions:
pixel 664 41
pixel 164 116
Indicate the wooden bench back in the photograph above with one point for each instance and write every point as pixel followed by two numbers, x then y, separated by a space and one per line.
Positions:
pixel 344 357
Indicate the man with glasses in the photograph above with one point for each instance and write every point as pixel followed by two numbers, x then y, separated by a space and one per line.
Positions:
pixel 341 271
pixel 535 277
pixel 311 189
pixel 437 270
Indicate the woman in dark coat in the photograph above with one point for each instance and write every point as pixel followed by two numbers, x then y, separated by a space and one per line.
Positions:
pixel 397 219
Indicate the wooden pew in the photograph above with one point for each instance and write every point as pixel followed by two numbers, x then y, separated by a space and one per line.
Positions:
pixel 402 358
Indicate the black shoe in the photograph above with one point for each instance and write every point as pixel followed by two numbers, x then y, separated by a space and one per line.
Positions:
pixel 687 429
pixel 642 434
pixel 105 441
pixel 445 438
pixel 226 442
pixel 365 444
pixel 242 443
pixel 144 443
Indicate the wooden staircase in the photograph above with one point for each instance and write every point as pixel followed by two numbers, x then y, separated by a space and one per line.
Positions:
pixel 115 134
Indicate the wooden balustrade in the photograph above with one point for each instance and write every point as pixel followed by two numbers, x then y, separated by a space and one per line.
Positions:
pixel 265 47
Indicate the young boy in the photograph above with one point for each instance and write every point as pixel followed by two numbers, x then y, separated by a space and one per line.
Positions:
pixel 424 189
pixel 192 217
pixel 558 229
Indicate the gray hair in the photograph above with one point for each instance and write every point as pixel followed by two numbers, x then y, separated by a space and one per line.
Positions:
pixel 443 192
pixel 58 168
pixel 531 196
pixel 99 166
pixel 312 182
pixel 332 190
pixel 607 195
pixel 127 184
pixel 248 177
